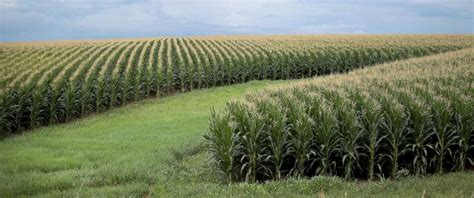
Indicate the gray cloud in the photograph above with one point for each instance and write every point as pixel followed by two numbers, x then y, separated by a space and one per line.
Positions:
pixel 80 19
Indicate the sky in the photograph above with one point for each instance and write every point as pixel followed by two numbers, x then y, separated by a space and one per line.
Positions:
pixel 32 20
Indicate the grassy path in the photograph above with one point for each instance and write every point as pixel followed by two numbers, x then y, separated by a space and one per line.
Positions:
pixel 121 150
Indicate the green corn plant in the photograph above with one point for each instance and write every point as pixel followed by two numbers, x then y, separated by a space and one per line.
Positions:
pixel 197 70
pixel 300 134
pixel 3 117
pixel 35 109
pixel 327 138
pixel 153 86
pixel 107 92
pixel 52 103
pixel 144 82
pixel 43 112
pixel 184 65
pixel 70 112
pixel 119 91
pixel 11 111
pixel 209 67
pixel 82 95
pixel 395 125
pixel 440 112
pixel 23 110
pixel 420 132
pixel 371 118
pixel 251 150
pixel 164 80
pixel 132 75
pixel 441 115
pixel 300 141
pixel 463 124
pixel 5 114
pixel 277 130
pixel 175 74
pixel 222 142
pixel 350 132
pixel 61 106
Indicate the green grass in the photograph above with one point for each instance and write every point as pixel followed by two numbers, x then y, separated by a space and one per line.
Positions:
pixel 155 147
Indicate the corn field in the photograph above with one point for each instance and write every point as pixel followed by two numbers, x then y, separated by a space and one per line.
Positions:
pixel 45 83
pixel 411 117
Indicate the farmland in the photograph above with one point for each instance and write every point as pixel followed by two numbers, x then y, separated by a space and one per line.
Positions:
pixel 54 82
pixel 415 117
pixel 205 116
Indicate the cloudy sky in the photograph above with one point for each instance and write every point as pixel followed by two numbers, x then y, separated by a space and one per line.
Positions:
pixel 27 20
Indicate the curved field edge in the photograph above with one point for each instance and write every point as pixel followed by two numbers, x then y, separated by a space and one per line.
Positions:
pixel 154 147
